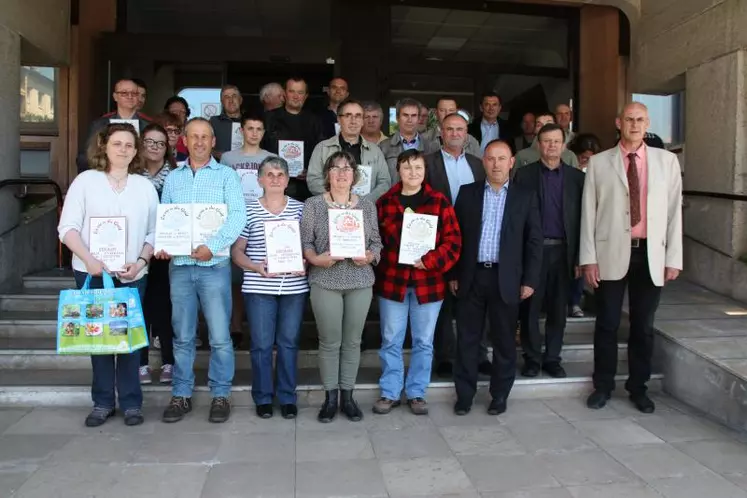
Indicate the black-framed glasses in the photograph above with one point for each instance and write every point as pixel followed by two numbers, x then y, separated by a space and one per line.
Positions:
pixel 127 94
pixel 174 131
pixel 158 144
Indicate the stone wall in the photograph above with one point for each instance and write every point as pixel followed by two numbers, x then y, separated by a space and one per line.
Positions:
pixel 44 26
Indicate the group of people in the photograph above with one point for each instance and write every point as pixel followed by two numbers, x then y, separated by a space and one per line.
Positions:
pixel 512 240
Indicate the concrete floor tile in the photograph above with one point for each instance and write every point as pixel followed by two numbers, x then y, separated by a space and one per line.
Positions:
pixel 313 446
pixel 71 480
pixel 162 481
pixel 623 406
pixel 617 490
pixel 410 443
pixel 12 478
pixel 710 485
pixel 271 447
pixel 348 478
pixel 681 428
pixel 186 448
pixel 616 432
pixel 528 410
pixel 442 415
pixel 656 461
pixel 738 479
pixel 57 420
pixel 99 448
pixel 573 409
pixel 9 416
pixel 507 473
pixel 16 449
pixel 425 477
pixel 306 421
pixel 531 493
pixel 723 457
pixel 585 467
pixel 476 440
pixel 251 480
pixel 400 418
pixel 558 436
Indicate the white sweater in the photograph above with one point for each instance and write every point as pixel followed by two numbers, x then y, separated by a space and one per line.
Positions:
pixel 91 195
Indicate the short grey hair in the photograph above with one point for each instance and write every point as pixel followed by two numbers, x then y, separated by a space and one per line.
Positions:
pixel 408 102
pixel 370 105
pixel 273 162
pixel 268 89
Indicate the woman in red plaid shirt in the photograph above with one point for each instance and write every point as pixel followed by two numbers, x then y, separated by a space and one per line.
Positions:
pixel 411 290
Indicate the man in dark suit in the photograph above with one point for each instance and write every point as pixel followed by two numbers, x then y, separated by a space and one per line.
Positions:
pixel 559 188
pixel 489 126
pixel 447 169
pixel 499 267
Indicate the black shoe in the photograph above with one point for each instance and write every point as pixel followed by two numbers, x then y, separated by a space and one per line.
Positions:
pixel 598 399
pixel 643 403
pixel 98 416
pixel 485 368
pixel 288 411
pixel 133 416
pixel 554 370
pixel 264 411
pixel 220 410
pixel 444 369
pixel 349 407
pixel 497 406
pixel 461 409
pixel 530 370
pixel 329 408
pixel 178 407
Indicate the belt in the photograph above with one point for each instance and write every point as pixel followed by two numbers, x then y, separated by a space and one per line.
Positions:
pixel 487 264
pixel 554 242
pixel 636 243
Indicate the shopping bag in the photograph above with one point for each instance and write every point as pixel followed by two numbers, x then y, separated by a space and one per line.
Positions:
pixel 100 321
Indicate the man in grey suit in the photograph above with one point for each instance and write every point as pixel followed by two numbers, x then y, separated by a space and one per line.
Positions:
pixel 407 138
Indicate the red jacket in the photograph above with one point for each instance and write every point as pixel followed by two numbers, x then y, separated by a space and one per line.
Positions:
pixel 392 278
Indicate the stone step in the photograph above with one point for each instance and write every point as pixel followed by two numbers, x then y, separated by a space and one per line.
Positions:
pixel 51 280
pixel 72 387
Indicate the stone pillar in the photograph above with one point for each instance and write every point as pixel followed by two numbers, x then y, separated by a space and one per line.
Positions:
pixel 10 121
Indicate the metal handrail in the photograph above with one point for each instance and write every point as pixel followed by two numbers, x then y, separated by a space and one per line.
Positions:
pixel 57 193
pixel 715 195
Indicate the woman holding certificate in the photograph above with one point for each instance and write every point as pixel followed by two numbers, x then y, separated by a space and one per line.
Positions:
pixel 422 241
pixel 112 191
pixel 274 287
pixel 340 237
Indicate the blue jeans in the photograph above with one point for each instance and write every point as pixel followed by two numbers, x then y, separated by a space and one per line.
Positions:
pixel 274 320
pixel 115 371
pixel 208 288
pixel 393 316
pixel 577 291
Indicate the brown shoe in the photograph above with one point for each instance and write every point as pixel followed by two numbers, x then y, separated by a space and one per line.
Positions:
pixel 385 405
pixel 418 406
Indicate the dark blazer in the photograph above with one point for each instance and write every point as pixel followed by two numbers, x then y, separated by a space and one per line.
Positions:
pixel 504 130
pixel 530 177
pixel 435 172
pixel 520 252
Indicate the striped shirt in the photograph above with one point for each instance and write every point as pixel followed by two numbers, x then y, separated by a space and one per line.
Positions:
pixel 494 203
pixel 159 178
pixel 254 233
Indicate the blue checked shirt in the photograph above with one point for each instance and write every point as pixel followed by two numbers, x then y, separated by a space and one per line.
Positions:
pixel 494 203
pixel 490 132
pixel 211 184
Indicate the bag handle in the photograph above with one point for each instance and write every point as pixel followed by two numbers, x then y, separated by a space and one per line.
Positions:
pixel 108 282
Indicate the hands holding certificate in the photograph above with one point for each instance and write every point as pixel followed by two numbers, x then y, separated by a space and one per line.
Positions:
pixel 325 260
pixel 365 260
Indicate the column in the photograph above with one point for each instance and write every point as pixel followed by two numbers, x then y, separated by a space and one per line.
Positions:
pixel 10 120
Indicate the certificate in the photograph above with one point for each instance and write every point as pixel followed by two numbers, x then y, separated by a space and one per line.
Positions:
pixel 237 137
pixel 346 236
pixel 283 243
pixel 418 236
pixel 292 151
pixel 174 229
pixel 249 184
pixel 107 241
pixel 134 122
pixel 363 186
pixel 207 220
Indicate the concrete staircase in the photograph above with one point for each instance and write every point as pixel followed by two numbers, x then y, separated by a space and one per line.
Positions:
pixel 31 373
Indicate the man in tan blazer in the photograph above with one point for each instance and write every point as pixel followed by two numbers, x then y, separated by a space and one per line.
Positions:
pixel 631 236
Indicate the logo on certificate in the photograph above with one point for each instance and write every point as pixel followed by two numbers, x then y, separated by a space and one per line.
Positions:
pixel 291 151
pixel 347 223
pixel 420 229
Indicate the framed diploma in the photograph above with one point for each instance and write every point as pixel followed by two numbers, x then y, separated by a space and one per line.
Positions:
pixel 283 243
pixel 249 184
pixel 363 187
pixel 107 241
pixel 292 151
pixel 418 236
pixel 346 236
pixel 134 122
pixel 237 137
pixel 207 219
pixel 174 229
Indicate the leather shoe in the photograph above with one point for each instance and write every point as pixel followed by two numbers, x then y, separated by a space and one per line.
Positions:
pixel 530 370
pixel 554 370
pixel 598 399
pixel 461 409
pixel 485 368
pixel 264 411
pixel 643 403
pixel 497 406
pixel 289 411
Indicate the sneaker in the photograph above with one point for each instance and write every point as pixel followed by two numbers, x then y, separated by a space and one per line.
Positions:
pixel 178 407
pixel 577 312
pixel 220 410
pixel 144 374
pixel 167 374
pixel 98 416
pixel 156 343
pixel 133 416
pixel 418 406
pixel 385 405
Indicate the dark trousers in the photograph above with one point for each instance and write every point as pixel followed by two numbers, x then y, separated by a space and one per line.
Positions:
pixel 157 311
pixel 643 298
pixel 120 370
pixel 577 292
pixel 444 339
pixel 484 296
pixel 552 292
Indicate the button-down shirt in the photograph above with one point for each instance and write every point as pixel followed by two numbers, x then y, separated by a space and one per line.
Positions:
pixel 490 132
pixel 457 171
pixel 410 144
pixel 640 230
pixel 494 203
pixel 552 202
pixel 214 183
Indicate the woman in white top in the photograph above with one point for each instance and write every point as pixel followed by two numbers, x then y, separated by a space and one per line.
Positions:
pixel 112 187
pixel 274 302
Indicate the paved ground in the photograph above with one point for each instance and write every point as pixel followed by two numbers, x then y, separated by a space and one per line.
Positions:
pixel 540 449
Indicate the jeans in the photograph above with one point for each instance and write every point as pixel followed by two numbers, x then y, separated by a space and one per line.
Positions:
pixel 423 319
pixel 577 292
pixel 274 320
pixel 109 370
pixel 207 288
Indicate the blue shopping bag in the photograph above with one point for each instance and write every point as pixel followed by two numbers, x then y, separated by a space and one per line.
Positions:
pixel 100 321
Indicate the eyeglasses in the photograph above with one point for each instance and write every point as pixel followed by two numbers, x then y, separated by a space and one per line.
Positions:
pixel 127 94
pixel 350 115
pixel 158 144
pixel 341 170
pixel 174 131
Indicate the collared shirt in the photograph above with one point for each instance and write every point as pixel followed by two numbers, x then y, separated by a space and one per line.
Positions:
pixel 640 230
pixel 354 149
pixel 552 202
pixel 457 171
pixel 490 132
pixel 214 183
pixel 494 203
pixel 410 144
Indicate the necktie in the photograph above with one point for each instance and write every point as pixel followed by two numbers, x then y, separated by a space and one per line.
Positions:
pixel 635 191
